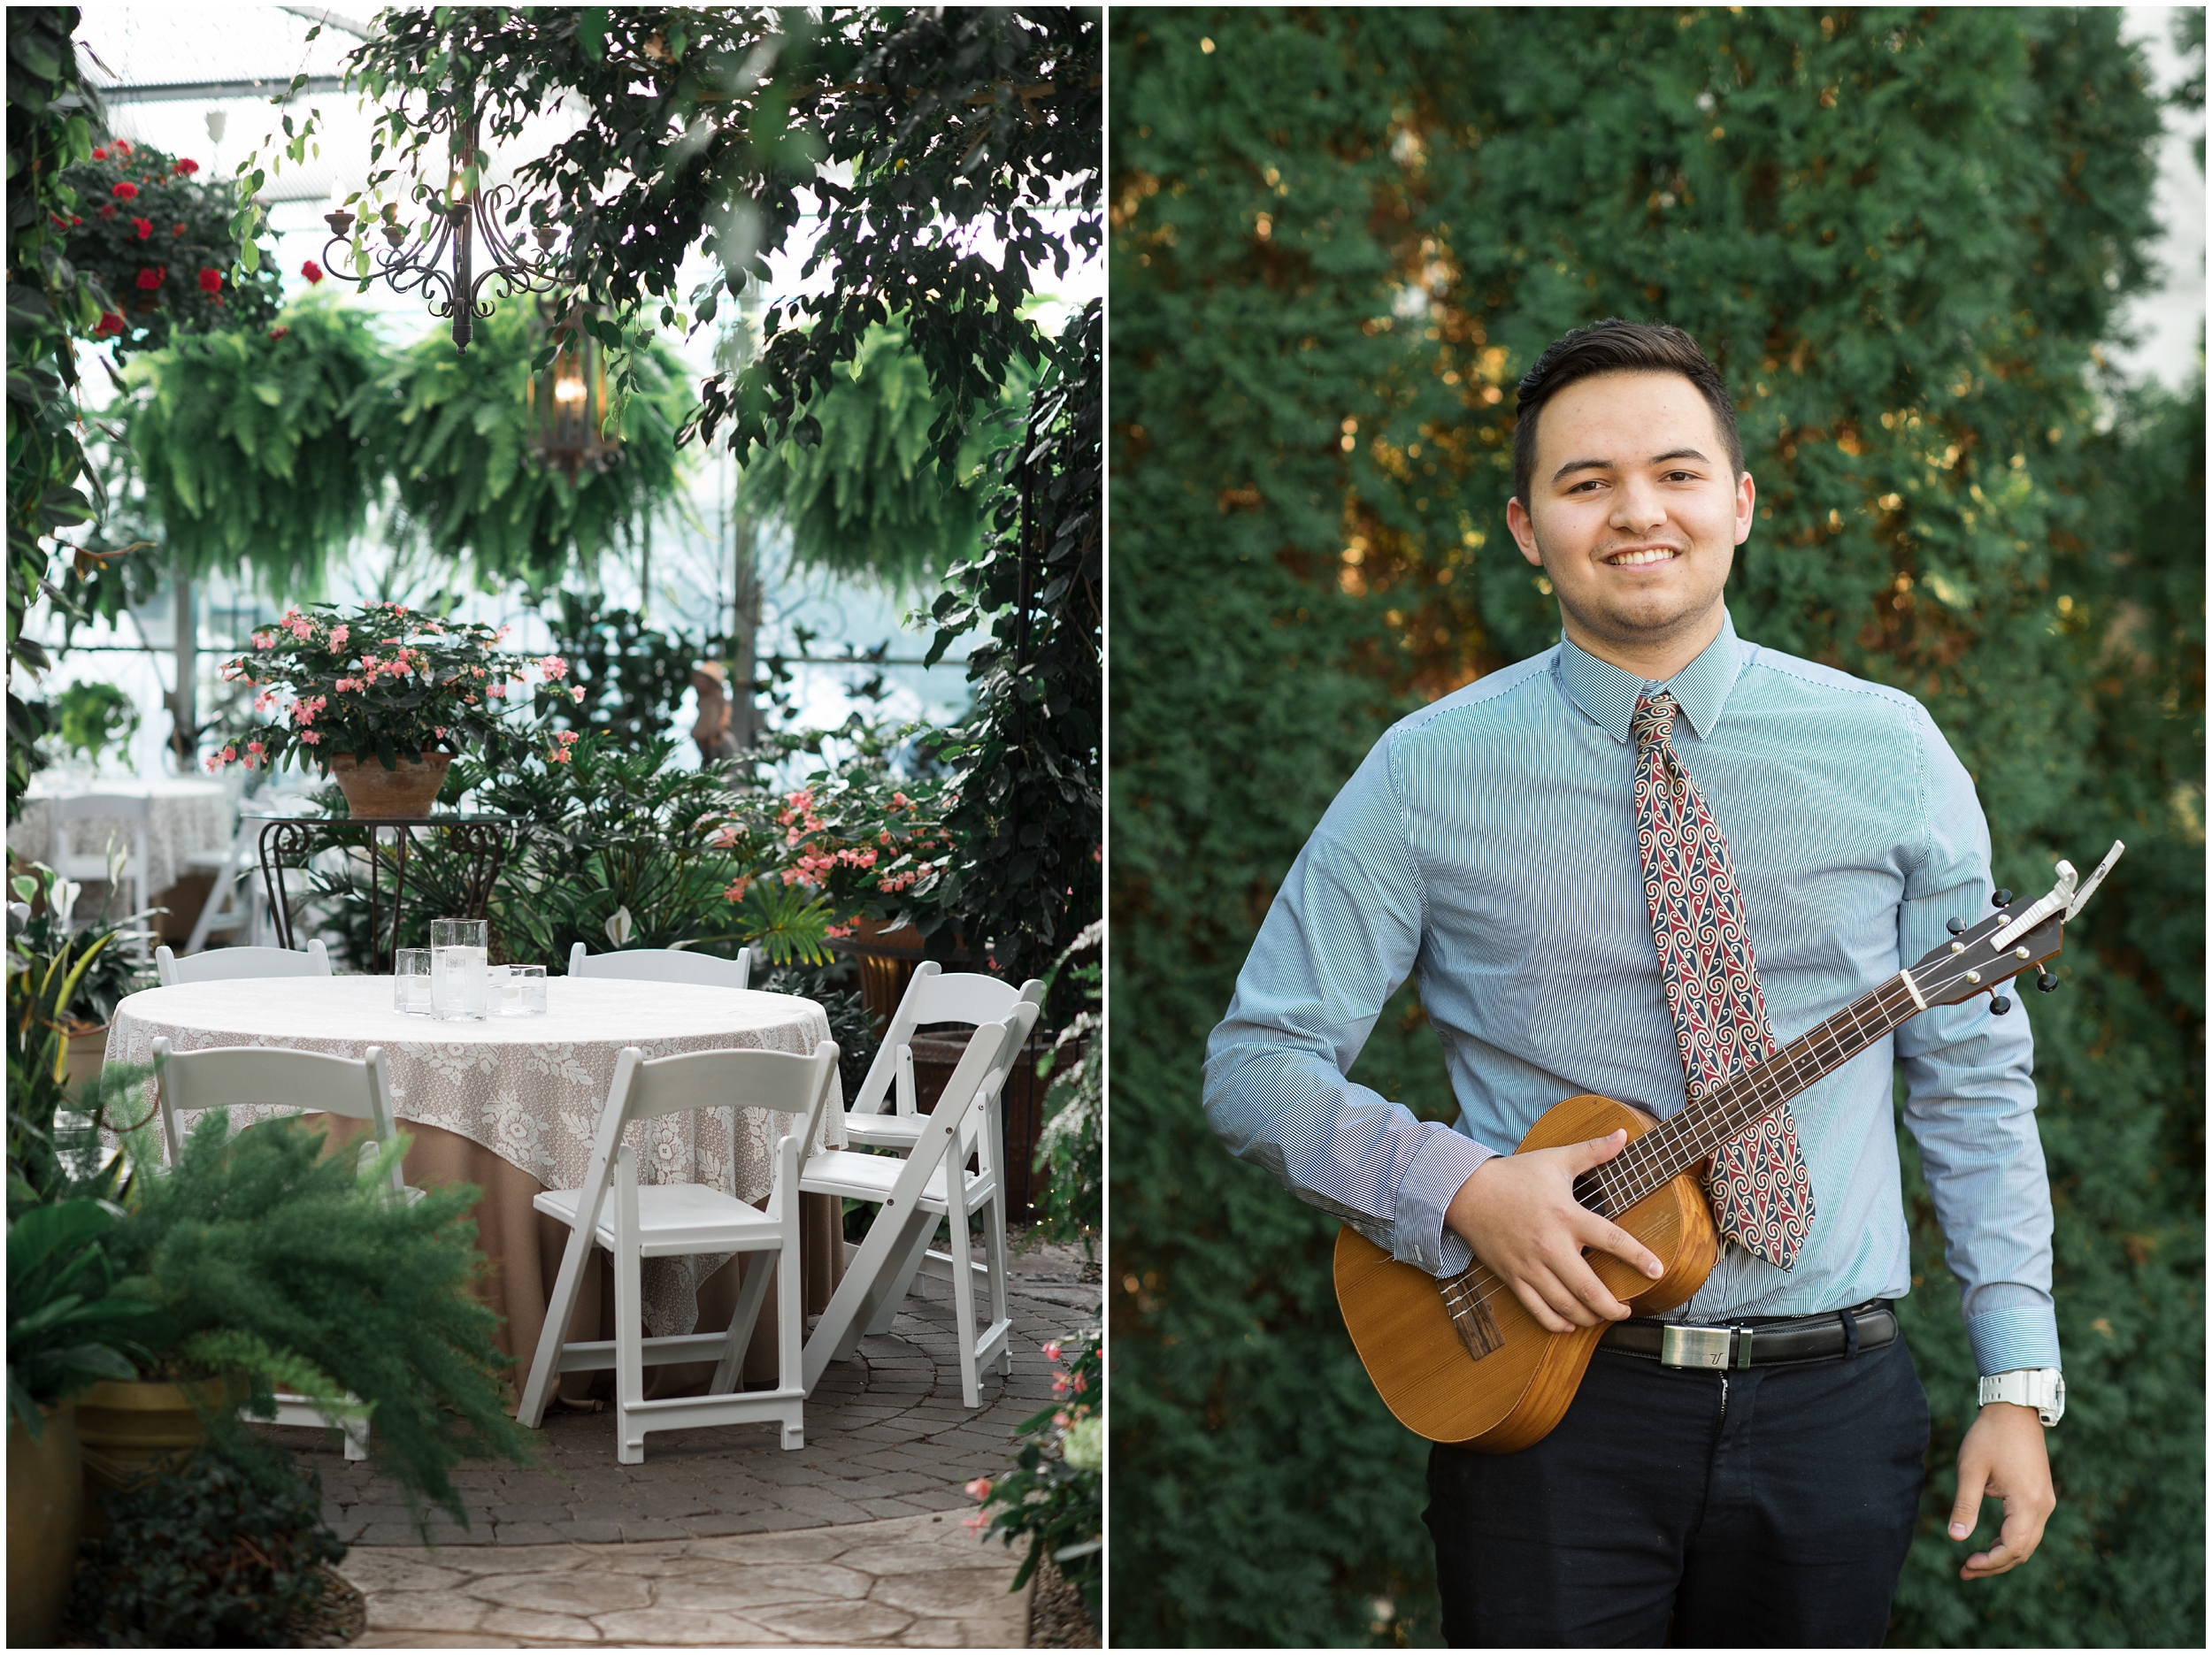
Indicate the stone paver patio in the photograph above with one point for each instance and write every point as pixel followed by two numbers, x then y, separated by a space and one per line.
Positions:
pixel 722 1537
pixel 913 1582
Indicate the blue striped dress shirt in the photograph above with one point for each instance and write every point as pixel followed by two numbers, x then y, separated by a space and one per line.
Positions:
pixel 1489 842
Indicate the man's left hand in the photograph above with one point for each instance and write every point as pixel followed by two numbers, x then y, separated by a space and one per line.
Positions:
pixel 2003 1456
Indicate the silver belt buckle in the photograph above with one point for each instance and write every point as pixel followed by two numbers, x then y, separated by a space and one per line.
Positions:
pixel 1695 1347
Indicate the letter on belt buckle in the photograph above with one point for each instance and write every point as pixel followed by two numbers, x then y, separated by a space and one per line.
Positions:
pixel 1694 1347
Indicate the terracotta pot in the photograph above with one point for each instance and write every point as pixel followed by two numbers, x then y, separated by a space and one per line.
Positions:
pixel 372 791
pixel 88 1051
pixel 45 1506
pixel 131 1430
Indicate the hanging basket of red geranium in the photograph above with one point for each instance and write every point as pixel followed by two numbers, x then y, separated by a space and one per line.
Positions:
pixel 159 241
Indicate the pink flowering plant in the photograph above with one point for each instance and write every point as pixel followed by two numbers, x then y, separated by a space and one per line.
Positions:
pixel 1055 1492
pixel 865 842
pixel 389 681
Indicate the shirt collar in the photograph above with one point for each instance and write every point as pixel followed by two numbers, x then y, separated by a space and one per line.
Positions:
pixel 1608 695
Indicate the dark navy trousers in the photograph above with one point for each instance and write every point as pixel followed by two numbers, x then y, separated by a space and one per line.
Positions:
pixel 1665 1511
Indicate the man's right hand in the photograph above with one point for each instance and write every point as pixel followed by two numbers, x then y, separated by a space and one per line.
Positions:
pixel 1520 1215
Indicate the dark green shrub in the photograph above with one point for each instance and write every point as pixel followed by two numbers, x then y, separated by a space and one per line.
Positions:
pixel 204 1557
pixel 1340 236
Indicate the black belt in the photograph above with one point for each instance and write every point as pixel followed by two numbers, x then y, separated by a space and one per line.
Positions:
pixel 1759 1342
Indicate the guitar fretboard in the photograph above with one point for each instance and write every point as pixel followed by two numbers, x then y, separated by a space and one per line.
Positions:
pixel 1679 1143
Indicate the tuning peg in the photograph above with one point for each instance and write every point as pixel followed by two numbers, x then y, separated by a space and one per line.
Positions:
pixel 2045 981
pixel 2002 898
pixel 1954 925
pixel 1999 1004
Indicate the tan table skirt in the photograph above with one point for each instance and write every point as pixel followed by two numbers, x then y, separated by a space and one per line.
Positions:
pixel 524 1247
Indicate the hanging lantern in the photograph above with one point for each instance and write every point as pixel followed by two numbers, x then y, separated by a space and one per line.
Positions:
pixel 568 403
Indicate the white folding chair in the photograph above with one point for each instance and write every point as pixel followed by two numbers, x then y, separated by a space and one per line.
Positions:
pixel 358 1088
pixel 222 965
pixel 915 1195
pixel 659 1221
pixel 933 996
pixel 932 1183
pixel 80 866
pixel 234 899
pixel 664 965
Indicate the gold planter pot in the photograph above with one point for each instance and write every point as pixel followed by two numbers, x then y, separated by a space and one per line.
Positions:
pixel 45 1506
pixel 133 1429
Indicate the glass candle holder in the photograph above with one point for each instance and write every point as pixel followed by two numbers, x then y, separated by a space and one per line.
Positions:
pixel 458 969
pixel 519 990
pixel 411 981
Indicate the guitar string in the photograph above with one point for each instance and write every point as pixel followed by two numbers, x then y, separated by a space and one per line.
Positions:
pixel 1458 1288
pixel 1892 1005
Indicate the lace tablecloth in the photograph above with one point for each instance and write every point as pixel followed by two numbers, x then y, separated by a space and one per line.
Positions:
pixel 189 815
pixel 528 1088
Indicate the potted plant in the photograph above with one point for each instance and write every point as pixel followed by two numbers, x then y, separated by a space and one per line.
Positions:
pixel 265 1264
pixel 380 699
pixel 85 973
pixel 66 1331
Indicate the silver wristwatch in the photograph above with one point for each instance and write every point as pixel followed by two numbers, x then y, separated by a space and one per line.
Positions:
pixel 2042 1389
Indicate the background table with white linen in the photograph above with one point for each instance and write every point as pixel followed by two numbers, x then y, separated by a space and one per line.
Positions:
pixel 189 815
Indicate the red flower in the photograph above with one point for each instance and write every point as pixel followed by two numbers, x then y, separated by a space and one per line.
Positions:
pixel 188 165
pixel 153 278
pixel 211 280
pixel 311 270
pixel 278 332
pixel 108 211
pixel 144 227
pixel 121 146
pixel 110 323
pixel 178 231
pixel 99 155
pixel 124 191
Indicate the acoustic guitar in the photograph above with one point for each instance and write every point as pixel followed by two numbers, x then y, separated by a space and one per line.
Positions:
pixel 1458 1359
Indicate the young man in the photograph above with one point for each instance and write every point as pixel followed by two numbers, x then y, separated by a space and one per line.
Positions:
pixel 1553 849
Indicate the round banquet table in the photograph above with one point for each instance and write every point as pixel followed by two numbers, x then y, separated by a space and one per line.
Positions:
pixel 509 1105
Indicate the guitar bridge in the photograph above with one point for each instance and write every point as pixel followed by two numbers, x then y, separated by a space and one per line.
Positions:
pixel 1469 1307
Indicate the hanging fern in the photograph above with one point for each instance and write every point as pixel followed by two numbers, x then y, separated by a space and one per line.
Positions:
pixel 255 454
pixel 461 441
pixel 867 500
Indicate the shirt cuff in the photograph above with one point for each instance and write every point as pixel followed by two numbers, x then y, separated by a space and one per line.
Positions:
pixel 1439 1167
pixel 2019 1336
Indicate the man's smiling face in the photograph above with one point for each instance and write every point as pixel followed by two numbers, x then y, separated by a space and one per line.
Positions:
pixel 1634 515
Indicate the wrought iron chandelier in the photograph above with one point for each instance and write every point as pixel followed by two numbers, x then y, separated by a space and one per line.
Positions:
pixel 464 229
pixel 567 401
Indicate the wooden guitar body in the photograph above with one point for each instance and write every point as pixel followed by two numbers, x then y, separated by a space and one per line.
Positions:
pixel 1515 1393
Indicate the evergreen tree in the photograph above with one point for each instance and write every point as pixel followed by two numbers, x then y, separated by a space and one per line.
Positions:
pixel 1338 238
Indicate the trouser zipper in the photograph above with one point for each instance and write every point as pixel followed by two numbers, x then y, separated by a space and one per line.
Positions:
pixel 1723 1399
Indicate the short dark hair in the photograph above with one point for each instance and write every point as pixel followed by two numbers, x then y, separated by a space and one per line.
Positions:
pixel 1615 346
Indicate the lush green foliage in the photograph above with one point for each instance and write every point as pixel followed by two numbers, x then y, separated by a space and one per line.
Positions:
pixel 457 429
pixel 249 458
pixel 705 125
pixel 91 718
pixel 1024 766
pixel 158 240
pixel 51 120
pixel 865 500
pixel 208 1557
pixel 82 962
pixel 632 676
pixel 1338 239
pixel 262 1238
pixel 65 1331
pixel 1055 1494
pixel 1072 1145
pixel 385 680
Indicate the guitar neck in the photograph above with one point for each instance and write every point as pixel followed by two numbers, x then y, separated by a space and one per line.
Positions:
pixel 1682 1141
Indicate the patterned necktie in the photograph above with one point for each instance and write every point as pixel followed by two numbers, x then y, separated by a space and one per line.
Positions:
pixel 1762 1197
